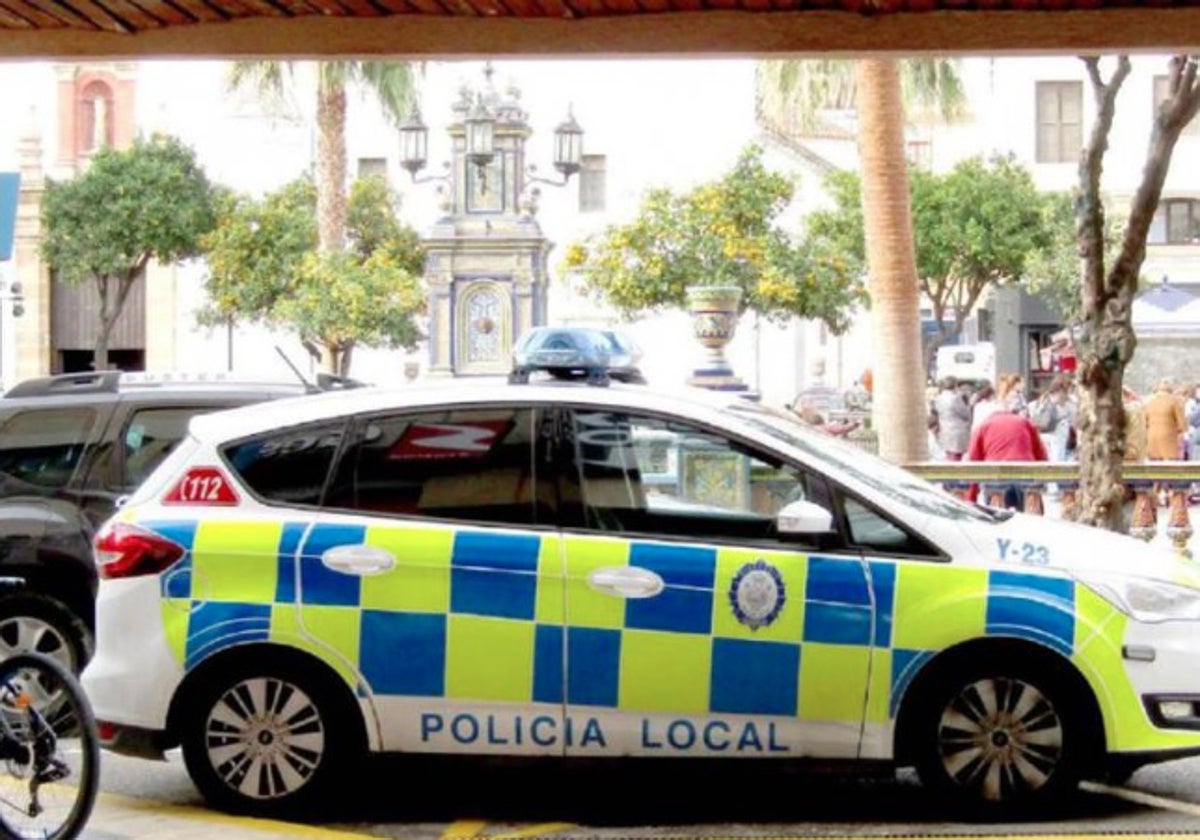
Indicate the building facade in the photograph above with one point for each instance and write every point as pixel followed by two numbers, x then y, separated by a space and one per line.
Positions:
pixel 647 123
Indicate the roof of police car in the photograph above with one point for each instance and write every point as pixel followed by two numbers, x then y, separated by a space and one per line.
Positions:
pixel 450 393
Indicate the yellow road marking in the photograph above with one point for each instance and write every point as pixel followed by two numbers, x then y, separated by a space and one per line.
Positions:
pixel 532 831
pixel 1178 806
pixel 464 828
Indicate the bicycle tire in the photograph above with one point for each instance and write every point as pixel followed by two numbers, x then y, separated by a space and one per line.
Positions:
pixel 66 765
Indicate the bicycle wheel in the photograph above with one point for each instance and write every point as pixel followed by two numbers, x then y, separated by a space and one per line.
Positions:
pixel 49 750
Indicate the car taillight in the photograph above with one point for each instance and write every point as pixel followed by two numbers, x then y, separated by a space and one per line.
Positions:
pixel 124 550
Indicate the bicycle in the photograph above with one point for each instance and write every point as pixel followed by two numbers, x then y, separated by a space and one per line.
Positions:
pixel 49 749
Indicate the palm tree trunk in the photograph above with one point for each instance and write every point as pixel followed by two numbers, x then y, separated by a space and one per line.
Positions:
pixel 899 410
pixel 331 164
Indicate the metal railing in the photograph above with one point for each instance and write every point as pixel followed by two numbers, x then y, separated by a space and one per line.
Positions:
pixel 1145 483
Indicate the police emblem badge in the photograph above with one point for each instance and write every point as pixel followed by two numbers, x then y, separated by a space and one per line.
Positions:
pixel 757 594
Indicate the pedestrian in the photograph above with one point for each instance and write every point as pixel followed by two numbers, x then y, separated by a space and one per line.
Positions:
pixel 983 403
pixel 953 419
pixel 1011 393
pixel 1191 413
pixel 1165 428
pixel 1135 426
pixel 1008 436
pixel 1053 414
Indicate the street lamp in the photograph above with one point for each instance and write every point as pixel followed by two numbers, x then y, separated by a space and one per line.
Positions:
pixel 482 115
pixel 481 134
pixel 568 151
pixel 414 147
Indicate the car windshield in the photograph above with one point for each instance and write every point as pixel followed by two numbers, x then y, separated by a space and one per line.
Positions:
pixel 845 458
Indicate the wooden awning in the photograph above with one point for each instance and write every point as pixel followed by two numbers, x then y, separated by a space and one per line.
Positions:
pixel 587 28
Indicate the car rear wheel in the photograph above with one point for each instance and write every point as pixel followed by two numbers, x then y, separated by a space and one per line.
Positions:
pixel 38 624
pixel 997 738
pixel 263 740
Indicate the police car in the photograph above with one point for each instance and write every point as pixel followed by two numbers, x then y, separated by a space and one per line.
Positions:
pixel 573 571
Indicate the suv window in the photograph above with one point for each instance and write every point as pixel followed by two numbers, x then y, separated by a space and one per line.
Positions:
pixel 43 448
pixel 478 465
pixel 149 437
pixel 287 465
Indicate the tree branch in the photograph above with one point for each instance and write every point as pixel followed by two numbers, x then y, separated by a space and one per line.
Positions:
pixel 1170 118
pixel 1089 208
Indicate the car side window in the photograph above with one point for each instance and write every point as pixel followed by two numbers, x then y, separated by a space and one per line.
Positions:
pixel 287 465
pixel 874 533
pixel 41 449
pixel 480 465
pixel 661 477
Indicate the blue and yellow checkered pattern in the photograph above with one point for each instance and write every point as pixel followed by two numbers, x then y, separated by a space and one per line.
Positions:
pixel 490 615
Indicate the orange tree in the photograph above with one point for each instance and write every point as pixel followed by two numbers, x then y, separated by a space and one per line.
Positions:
pixel 720 233
pixel 265 266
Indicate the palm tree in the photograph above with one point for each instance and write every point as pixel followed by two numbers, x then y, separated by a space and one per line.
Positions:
pixel 878 89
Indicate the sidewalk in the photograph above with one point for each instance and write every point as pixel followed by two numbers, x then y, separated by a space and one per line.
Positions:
pixel 120 817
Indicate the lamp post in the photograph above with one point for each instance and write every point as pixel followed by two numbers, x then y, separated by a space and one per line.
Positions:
pixel 478 130
pixel 486 255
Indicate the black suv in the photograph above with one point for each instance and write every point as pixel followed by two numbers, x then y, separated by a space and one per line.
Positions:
pixel 70 447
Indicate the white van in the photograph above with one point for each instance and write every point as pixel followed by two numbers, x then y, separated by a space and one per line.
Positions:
pixel 966 361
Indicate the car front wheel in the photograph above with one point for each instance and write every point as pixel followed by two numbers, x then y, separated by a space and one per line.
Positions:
pixel 1001 738
pixel 263 740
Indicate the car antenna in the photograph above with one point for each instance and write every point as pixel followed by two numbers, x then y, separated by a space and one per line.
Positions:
pixel 308 386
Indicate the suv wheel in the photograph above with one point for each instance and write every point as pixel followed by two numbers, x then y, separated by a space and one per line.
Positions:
pixel 44 625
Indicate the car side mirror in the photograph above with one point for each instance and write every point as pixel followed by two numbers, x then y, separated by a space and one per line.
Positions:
pixel 804 517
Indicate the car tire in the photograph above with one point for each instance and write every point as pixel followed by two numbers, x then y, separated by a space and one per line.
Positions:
pixel 1001 737
pixel 268 739
pixel 45 625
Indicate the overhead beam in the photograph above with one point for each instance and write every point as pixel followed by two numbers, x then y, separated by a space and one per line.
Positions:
pixel 714 33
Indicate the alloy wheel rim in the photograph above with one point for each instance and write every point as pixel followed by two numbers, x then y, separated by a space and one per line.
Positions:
pixel 265 738
pixel 25 634
pixel 1000 738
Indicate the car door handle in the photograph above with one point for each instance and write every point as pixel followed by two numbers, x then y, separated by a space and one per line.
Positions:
pixel 358 559
pixel 626 581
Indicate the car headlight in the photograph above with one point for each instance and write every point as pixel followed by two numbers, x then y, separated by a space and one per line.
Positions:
pixel 1144 599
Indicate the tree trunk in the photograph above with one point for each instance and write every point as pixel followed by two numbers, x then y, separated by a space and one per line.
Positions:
pixel 343 368
pixel 331 165
pixel 899 392
pixel 100 348
pixel 329 357
pixel 1107 341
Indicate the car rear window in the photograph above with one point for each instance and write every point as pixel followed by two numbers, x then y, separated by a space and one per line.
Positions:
pixel 287 465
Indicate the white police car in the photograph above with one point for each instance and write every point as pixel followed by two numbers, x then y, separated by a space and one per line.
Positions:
pixel 564 570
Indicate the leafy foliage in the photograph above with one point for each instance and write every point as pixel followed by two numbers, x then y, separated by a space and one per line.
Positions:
pixel 264 266
pixel 984 223
pixel 1054 273
pixel 255 250
pixel 720 233
pixel 150 201
pixel 794 92
pixel 343 301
